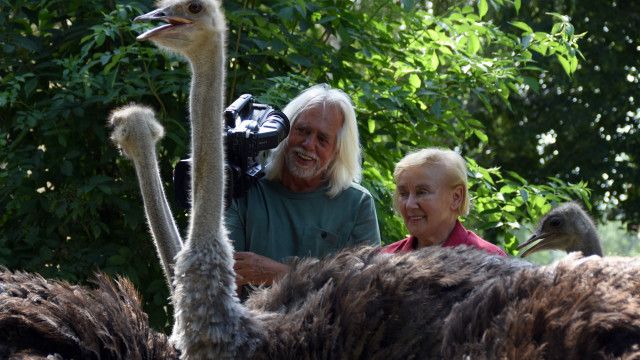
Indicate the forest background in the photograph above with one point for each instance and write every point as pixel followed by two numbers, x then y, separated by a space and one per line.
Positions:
pixel 539 96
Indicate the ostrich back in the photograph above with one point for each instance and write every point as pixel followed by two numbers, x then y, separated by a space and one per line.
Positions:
pixel 578 308
pixel 40 317
pixel 361 304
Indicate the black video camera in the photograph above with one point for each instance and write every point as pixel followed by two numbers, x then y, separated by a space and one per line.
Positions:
pixel 249 129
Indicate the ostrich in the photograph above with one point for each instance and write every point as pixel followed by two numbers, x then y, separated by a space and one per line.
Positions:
pixel 567 227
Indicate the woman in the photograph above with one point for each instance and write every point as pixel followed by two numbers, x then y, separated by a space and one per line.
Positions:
pixel 431 192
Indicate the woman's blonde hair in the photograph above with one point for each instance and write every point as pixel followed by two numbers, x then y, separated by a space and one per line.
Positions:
pixel 454 164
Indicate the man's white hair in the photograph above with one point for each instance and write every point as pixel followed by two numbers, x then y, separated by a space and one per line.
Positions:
pixel 345 167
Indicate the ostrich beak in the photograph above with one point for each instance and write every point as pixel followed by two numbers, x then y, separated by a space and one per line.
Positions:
pixel 547 242
pixel 160 15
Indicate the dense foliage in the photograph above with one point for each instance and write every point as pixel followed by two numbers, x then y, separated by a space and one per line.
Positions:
pixel 70 205
pixel 583 127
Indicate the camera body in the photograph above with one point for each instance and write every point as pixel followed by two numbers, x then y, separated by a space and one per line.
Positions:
pixel 249 129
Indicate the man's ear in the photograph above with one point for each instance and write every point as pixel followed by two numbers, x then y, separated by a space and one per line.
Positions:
pixel 457 197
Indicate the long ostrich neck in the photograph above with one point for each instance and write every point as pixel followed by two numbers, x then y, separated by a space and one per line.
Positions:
pixel 210 321
pixel 590 244
pixel 206 105
pixel 161 222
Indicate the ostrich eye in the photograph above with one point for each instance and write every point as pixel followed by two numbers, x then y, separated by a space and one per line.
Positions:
pixel 195 8
pixel 555 222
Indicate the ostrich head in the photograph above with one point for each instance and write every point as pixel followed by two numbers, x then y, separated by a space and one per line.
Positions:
pixel 188 24
pixel 134 125
pixel 567 227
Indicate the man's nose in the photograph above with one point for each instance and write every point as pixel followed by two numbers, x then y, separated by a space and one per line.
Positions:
pixel 309 141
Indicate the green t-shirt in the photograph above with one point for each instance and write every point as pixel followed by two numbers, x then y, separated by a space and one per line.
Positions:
pixel 277 223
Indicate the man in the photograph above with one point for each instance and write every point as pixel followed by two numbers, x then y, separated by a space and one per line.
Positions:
pixel 309 202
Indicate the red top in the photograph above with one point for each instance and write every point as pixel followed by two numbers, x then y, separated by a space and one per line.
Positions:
pixel 459 236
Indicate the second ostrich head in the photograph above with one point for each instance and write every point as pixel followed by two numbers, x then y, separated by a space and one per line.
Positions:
pixel 567 227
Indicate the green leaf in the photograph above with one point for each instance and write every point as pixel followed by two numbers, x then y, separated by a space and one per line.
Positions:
pixel 100 39
pixel 414 80
pixel 516 4
pixel 483 7
pixel 574 64
pixel 559 17
pixel 522 26
pixel 408 4
pixel 481 135
pixel 474 44
pixel 517 177
pixel 300 60
pixel 569 30
pixel 526 40
pixel 565 64
pixel 30 85
pixel 486 175
pixel 286 13
pixel 433 62
pixel 508 189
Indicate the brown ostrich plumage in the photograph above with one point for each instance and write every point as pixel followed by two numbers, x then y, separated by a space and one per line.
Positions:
pixel 41 317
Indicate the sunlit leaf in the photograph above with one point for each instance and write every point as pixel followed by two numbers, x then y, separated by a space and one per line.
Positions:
pixel 371 125
pixel 481 135
pixel 474 43
pixel 433 62
pixel 414 80
pixel 483 7
pixel 565 64
pixel 522 26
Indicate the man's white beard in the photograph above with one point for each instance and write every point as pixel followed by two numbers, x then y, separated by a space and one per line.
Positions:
pixel 303 172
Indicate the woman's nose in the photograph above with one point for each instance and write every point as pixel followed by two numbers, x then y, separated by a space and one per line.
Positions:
pixel 412 202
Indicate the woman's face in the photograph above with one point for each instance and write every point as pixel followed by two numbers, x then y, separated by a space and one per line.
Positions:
pixel 428 202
